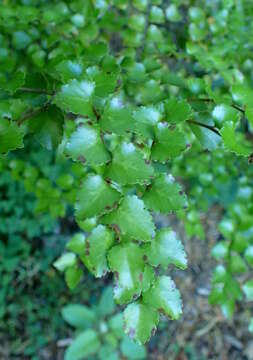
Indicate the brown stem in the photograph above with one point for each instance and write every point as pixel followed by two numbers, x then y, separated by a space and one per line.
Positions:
pixel 31 114
pixel 211 128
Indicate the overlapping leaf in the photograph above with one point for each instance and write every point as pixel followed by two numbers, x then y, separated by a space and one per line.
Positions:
pixel 129 166
pixel 11 136
pixel 85 144
pixel 165 195
pixel 97 245
pixel 141 321
pixel 166 249
pixel 132 274
pixel 169 143
pixel 177 111
pixel 94 197
pixel 132 219
pixel 164 296
pixel 76 97
pixel 233 141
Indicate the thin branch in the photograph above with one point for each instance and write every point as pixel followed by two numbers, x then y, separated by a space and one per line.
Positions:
pixel 35 90
pixel 212 101
pixel 31 114
pixel 211 128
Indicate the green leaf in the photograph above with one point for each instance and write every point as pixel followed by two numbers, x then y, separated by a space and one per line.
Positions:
pixel 220 250
pixel 95 197
pixel 86 344
pixel 248 290
pixel 140 321
pixel 249 115
pixel 233 141
pixel 78 316
pixel 106 304
pixel 131 350
pixel 237 265
pixel 123 295
pixel 132 219
pixel 11 136
pixel 85 145
pixel 223 112
pixel 177 111
pixel 117 118
pixel 242 94
pixel 73 276
pixel 207 138
pixel 76 97
pixel 249 255
pixel 13 83
pixel 146 118
pixel 166 249
pixel 47 127
pixel 130 271
pixel 76 244
pixel 164 297
pixel 97 245
pixel 169 143
pixel 129 166
pixel 67 260
pixel 165 195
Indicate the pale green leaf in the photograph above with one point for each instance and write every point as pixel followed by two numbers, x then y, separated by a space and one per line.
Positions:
pixel 141 321
pixel 86 344
pixel 67 260
pixel 78 316
pixel 166 249
pixel 248 290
